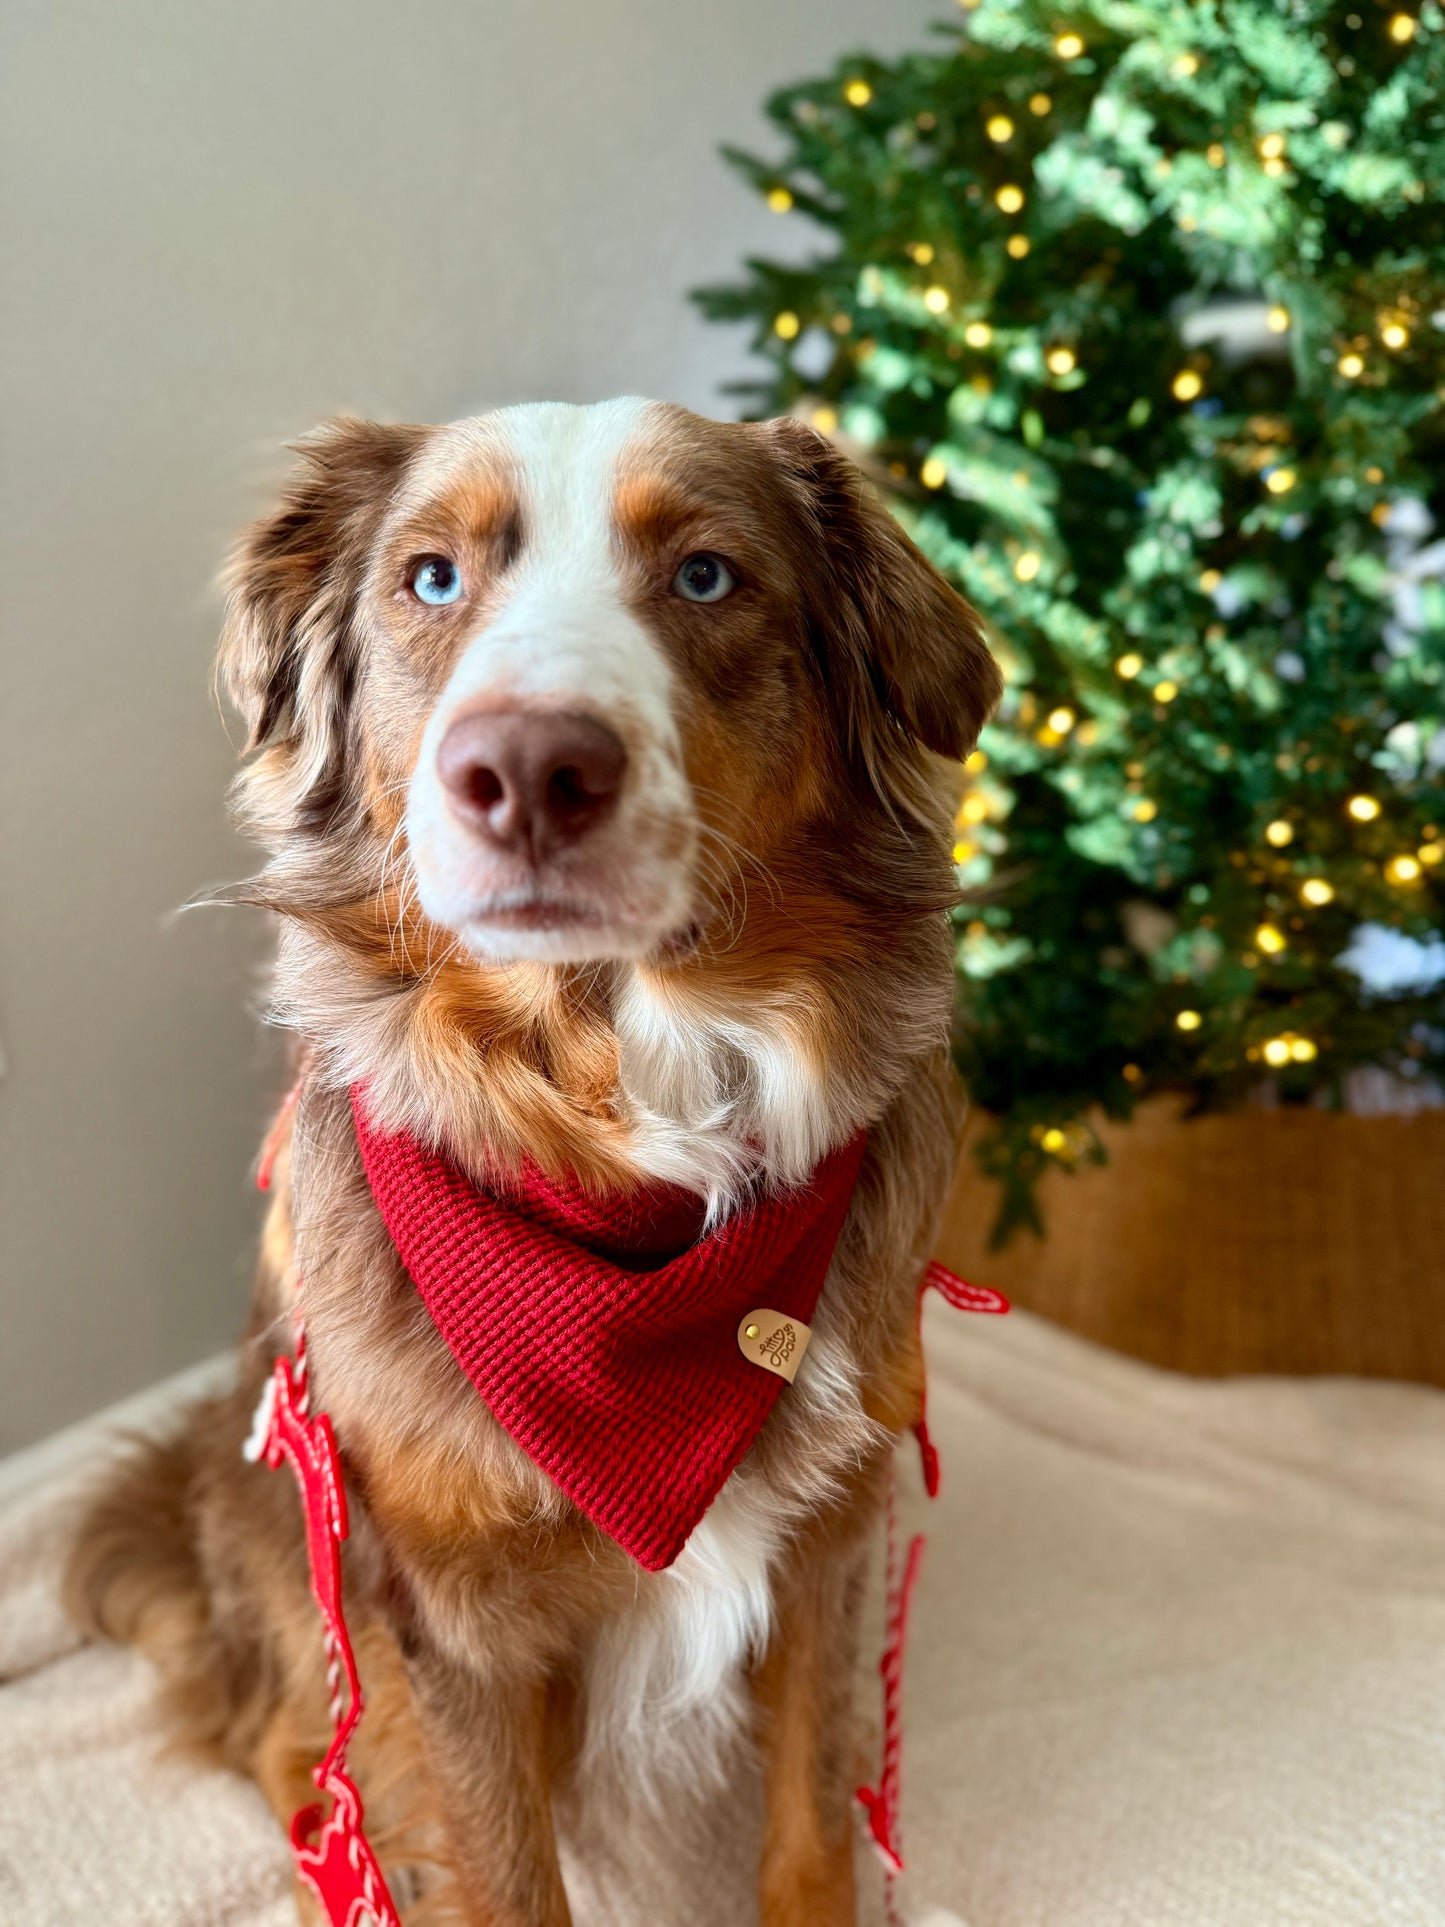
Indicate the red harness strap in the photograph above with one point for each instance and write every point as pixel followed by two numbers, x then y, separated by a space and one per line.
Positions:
pixel 335 1859
pixel 952 1289
pixel 881 1803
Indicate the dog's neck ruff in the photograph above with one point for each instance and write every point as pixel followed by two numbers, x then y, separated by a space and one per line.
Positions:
pixel 603 1334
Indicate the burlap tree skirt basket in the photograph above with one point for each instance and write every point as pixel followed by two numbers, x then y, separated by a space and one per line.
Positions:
pixel 1282 1240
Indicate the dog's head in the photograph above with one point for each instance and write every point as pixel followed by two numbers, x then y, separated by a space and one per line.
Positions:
pixel 577 667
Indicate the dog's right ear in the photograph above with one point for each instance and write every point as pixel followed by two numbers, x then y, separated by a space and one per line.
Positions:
pixel 287 658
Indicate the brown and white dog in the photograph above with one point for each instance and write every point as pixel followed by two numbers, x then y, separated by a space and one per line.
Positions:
pixel 596 754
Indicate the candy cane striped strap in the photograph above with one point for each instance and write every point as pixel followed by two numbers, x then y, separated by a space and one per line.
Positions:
pixel 333 1855
pixel 881 1803
pixel 272 1144
pixel 963 1297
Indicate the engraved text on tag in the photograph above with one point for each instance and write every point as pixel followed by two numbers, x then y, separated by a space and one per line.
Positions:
pixel 775 1342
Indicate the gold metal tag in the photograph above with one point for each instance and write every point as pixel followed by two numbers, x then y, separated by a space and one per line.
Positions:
pixel 774 1342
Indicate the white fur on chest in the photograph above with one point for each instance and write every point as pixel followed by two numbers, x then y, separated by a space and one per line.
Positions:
pixel 666 1692
pixel 717 1099
pixel 664 1681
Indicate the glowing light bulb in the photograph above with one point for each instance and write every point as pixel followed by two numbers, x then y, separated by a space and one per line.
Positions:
pixel 1315 890
pixel 1017 246
pixel 1279 833
pixel 1304 1050
pixel 1403 27
pixel 999 128
pixel 1402 869
pixel 1053 1140
pixel 935 299
pixel 1186 385
pixel 1280 480
pixel 976 760
pixel 1270 939
pixel 1062 720
pixel 973 809
pixel 1028 565
pixel 1010 199
pixel 1351 365
pixel 779 199
pixel 934 472
pixel 857 93
pixel 1215 154
pixel 1061 361
pixel 1185 65
pixel 1395 334
pixel 1276 1051
pixel 1128 666
pixel 1145 810
pixel 1364 809
pixel 1189 1020
pixel 1277 320
pixel 786 325
pixel 1431 854
pixel 825 420
pixel 978 334
pixel 1165 692
pixel 1040 104
pixel 1068 46
pixel 1271 147
pixel 1210 580
pixel 922 252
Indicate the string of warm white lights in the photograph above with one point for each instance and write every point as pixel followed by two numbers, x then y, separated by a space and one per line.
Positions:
pixel 1139 325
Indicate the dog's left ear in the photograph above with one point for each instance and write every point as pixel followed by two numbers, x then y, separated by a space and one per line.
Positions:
pixel 884 605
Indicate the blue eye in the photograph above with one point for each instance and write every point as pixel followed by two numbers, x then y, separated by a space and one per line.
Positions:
pixel 704 578
pixel 436 581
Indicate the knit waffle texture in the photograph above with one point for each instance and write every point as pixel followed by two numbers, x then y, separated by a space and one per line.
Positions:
pixel 602 1332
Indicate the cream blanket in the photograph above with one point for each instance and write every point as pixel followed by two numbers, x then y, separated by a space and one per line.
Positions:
pixel 1178 1660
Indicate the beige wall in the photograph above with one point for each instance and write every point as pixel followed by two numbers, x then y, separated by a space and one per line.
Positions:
pixel 221 222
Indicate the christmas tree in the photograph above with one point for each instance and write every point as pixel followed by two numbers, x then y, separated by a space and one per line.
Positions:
pixel 1134 309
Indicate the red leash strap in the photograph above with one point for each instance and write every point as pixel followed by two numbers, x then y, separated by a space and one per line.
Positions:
pixel 962 1297
pixel 335 1859
pixel 880 1803
pixel 273 1138
pixel 333 1856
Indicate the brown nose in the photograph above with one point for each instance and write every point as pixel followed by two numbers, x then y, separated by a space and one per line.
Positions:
pixel 531 781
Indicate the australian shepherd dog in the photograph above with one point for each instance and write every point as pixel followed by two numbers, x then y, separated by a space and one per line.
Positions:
pixel 605 760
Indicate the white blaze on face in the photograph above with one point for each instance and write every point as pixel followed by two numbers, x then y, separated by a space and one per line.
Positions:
pixel 563 640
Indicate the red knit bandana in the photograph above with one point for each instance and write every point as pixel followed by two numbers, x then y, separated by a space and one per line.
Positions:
pixel 604 1333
